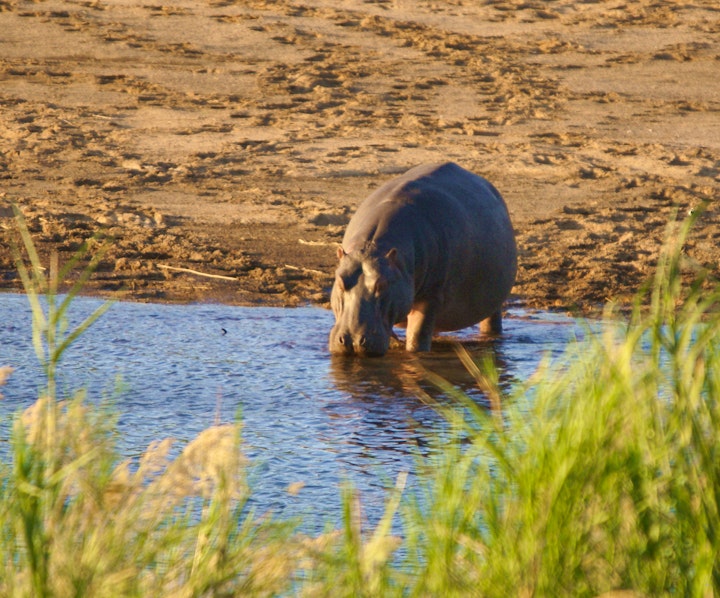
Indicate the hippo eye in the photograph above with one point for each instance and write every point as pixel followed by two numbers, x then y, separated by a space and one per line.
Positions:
pixel 348 281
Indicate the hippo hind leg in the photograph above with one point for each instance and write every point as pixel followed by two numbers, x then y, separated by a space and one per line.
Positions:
pixel 492 324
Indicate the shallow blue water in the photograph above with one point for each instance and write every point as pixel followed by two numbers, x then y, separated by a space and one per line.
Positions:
pixel 306 417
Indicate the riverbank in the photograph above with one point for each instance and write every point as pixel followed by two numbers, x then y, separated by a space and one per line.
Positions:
pixel 235 140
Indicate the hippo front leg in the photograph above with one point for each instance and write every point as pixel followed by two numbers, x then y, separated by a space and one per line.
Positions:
pixel 492 324
pixel 420 327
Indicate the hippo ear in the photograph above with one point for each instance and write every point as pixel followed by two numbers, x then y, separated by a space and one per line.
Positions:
pixel 394 259
pixel 340 252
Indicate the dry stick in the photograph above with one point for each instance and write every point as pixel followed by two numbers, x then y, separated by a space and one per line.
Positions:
pixel 319 243
pixel 175 268
pixel 220 276
pixel 308 270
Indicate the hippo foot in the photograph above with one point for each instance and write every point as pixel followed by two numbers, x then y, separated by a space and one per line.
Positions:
pixel 493 325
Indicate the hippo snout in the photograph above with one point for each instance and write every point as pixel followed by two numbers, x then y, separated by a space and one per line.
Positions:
pixel 362 343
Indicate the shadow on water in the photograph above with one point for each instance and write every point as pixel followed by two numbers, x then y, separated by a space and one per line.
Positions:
pixel 399 374
pixel 396 387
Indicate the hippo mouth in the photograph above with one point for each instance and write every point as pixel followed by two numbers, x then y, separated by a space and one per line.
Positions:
pixel 361 345
pixel 367 343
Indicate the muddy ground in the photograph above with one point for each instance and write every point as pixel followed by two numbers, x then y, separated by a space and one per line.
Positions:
pixel 235 138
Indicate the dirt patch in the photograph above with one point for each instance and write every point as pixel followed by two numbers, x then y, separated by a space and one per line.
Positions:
pixel 236 138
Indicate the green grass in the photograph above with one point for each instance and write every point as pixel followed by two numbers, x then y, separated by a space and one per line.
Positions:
pixel 600 474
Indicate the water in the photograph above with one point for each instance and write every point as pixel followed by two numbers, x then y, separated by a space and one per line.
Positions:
pixel 307 417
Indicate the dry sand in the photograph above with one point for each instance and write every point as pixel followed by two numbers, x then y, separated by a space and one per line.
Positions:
pixel 235 138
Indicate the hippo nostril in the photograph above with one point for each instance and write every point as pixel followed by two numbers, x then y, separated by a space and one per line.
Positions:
pixel 344 343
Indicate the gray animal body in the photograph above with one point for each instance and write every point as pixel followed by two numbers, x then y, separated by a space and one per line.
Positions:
pixel 432 250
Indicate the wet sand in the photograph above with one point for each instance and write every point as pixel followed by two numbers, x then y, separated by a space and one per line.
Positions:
pixel 236 138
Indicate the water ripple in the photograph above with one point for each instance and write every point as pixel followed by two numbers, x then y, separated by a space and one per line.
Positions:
pixel 306 416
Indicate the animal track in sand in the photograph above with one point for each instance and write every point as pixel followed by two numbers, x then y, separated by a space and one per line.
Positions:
pixel 249 126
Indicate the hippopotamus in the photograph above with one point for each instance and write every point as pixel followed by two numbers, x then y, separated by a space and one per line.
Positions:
pixel 432 250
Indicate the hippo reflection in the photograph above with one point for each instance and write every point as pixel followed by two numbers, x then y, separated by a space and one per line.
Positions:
pixel 402 378
pixel 432 250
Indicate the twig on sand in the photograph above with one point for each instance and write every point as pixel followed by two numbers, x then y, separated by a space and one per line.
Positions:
pixel 319 243
pixel 308 270
pixel 190 271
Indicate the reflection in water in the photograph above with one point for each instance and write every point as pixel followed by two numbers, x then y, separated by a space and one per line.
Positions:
pixel 399 373
pixel 306 417
pixel 392 399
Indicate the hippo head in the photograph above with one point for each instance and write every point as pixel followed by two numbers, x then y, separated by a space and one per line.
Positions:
pixel 370 294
